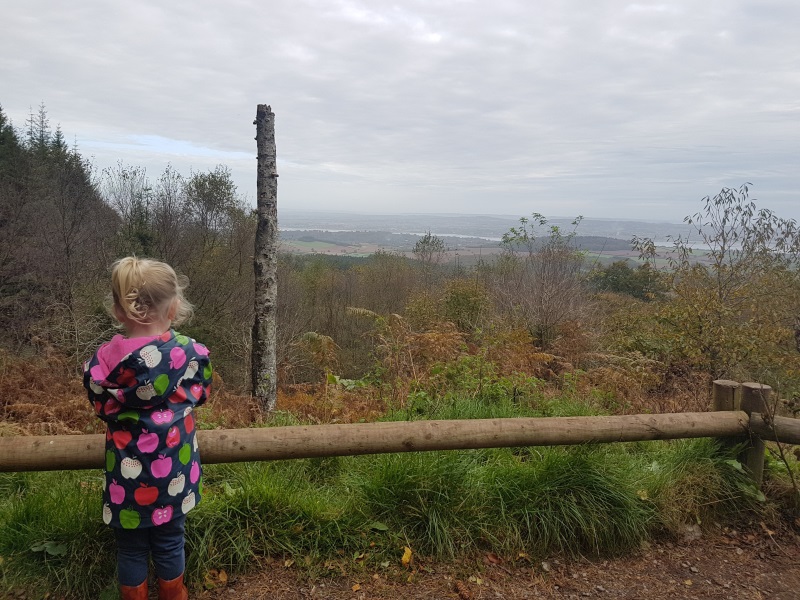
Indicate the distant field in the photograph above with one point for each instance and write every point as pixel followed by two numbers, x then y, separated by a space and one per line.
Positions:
pixel 460 251
pixel 330 248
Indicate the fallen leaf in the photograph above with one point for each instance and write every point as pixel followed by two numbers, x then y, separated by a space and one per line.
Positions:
pixel 493 558
pixel 215 578
pixel 288 563
pixel 406 556
pixel 688 582
pixel 210 579
pixel 356 587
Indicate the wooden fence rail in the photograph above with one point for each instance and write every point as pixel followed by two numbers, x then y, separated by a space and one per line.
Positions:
pixel 49 453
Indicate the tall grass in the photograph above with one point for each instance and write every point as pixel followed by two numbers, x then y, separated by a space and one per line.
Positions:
pixel 51 534
pixel 566 500
pixel 359 512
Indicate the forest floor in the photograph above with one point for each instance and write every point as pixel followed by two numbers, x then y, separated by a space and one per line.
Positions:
pixel 754 564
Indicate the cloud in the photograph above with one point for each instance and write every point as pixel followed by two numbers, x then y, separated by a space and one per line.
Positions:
pixel 607 108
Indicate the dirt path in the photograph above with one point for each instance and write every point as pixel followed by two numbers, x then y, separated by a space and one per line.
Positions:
pixel 728 564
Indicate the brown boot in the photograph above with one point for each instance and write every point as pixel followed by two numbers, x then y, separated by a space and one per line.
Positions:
pixel 173 589
pixel 134 593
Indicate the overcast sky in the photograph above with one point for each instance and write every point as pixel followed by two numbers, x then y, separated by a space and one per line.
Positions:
pixel 598 108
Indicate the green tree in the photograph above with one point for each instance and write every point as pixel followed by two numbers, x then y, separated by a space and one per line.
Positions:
pixel 734 292
pixel 54 233
pixel 643 282
pixel 15 228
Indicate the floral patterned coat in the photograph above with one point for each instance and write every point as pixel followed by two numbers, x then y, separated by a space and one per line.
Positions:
pixel 152 471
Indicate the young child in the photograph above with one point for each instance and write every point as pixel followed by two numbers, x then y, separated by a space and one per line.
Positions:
pixel 144 385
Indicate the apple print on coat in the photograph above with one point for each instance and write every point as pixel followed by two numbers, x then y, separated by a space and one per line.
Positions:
pixel 145 392
pixel 188 421
pixel 177 358
pixel 194 474
pixel 121 438
pixel 185 454
pixel 145 494
pixel 128 415
pixel 111 460
pixel 160 417
pixel 111 407
pixel 116 492
pixel 191 370
pixel 173 437
pixel 161 384
pixel 126 377
pixel 106 514
pixel 176 485
pixel 147 442
pixel 151 356
pixel 162 515
pixel 161 467
pixel 131 468
pixel 178 396
pixel 129 518
pixel 188 503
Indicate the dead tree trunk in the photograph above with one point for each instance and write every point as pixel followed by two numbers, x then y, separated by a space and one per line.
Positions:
pixel 265 263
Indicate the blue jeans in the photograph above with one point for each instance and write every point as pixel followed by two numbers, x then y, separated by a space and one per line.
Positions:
pixel 165 543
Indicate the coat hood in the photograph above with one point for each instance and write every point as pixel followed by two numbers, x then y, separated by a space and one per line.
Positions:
pixel 148 375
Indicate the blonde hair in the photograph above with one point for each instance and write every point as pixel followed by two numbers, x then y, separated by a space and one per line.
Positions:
pixel 144 290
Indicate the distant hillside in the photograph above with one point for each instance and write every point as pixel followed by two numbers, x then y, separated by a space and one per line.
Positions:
pixel 487 227
pixel 320 240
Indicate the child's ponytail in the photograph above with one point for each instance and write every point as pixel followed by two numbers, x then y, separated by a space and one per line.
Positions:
pixel 144 290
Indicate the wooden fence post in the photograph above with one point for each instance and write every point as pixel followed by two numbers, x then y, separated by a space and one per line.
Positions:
pixel 755 399
pixel 725 398
pixel 724 394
